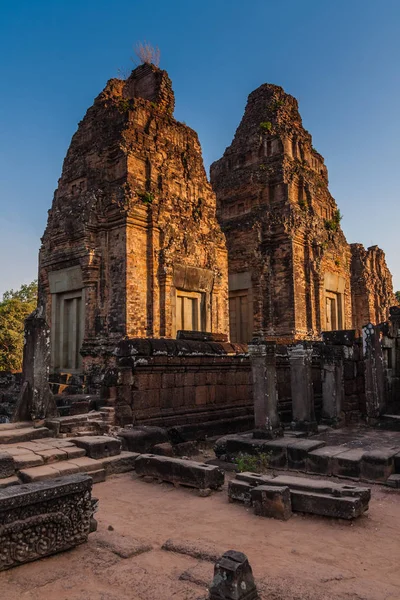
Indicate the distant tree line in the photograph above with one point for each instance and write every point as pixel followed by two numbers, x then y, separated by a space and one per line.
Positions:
pixel 397 294
pixel 14 308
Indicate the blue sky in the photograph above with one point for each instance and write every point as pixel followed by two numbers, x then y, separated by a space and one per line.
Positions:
pixel 340 59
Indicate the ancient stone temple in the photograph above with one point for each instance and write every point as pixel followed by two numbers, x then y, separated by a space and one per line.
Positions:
pixel 371 286
pixel 289 262
pixel 132 246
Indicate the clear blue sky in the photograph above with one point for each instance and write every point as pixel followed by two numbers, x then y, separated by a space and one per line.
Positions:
pixel 340 59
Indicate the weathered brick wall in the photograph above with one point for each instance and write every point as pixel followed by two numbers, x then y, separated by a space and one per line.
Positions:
pixel 281 222
pixel 174 382
pixel 372 287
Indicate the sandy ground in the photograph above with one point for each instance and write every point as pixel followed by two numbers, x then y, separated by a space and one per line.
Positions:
pixel 305 558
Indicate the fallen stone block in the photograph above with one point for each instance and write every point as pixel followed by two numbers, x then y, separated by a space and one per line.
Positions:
pixel 203 552
pixel 122 463
pixel 233 578
pixel 164 449
pixel 179 471
pixel 239 491
pixel 7 466
pixel 327 495
pixel 40 519
pixel 326 505
pixel 142 438
pixel 122 546
pixel 99 446
pixel 272 501
pixel 377 465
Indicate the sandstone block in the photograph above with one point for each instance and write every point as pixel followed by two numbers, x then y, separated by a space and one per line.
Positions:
pixel 142 438
pixel 377 465
pixel 179 471
pixel 297 453
pixel 99 446
pixel 348 463
pixel 272 501
pixel 239 491
pixel 39 519
pixel 7 467
pixel 233 578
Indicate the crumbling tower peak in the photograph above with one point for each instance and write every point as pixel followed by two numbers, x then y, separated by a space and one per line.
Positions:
pixel 150 83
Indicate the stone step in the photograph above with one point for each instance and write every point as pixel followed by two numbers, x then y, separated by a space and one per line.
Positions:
pixel 23 434
pixel 98 469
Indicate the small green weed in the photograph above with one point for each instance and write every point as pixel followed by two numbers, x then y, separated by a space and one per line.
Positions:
pixel 255 463
pixel 266 125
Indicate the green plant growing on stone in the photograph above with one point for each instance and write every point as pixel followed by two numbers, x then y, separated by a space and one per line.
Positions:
pixel 146 197
pixel 302 204
pixel 337 262
pixel 333 224
pixel 255 463
pixel 266 125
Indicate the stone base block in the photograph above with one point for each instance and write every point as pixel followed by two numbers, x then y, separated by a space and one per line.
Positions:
pixel 142 438
pixel 99 446
pixel 40 519
pixel 179 471
pixel 272 501
pixel 397 463
pixel 394 481
pixel 239 491
pixel 7 467
pixel 320 461
pixel 348 463
pixel 308 426
pixel 297 453
pixel 377 465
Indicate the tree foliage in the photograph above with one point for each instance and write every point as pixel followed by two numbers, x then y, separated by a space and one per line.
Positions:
pixel 397 294
pixel 14 308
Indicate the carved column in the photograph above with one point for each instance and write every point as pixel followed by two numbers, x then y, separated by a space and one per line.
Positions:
pixel 36 400
pixel 265 391
pixel 332 385
pixel 300 359
pixel 373 360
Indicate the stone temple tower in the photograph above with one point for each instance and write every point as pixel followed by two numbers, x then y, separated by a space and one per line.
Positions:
pixel 132 246
pixel 289 262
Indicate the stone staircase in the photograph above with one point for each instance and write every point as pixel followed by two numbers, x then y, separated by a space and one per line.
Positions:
pixel 29 454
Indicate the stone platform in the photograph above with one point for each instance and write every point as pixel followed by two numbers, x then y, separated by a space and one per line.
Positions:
pixel 354 453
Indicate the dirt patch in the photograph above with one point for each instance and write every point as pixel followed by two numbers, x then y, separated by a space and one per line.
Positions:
pixel 305 558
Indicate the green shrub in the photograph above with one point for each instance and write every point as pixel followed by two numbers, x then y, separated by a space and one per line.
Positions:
pixel 255 463
pixel 266 125
pixel 146 197
pixel 333 224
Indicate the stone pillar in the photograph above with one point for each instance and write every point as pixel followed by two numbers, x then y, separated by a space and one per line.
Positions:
pixel 373 360
pixel 265 390
pixel 233 578
pixel 36 401
pixel 300 359
pixel 332 385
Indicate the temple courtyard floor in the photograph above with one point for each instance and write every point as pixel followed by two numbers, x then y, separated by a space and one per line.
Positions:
pixel 305 558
